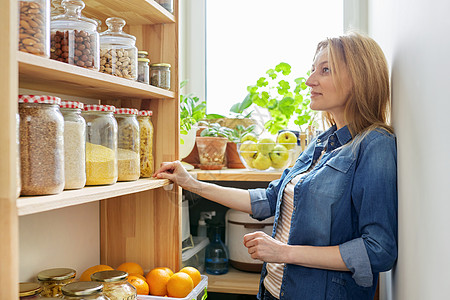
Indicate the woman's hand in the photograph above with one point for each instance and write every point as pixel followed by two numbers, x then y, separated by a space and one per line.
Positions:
pixel 263 247
pixel 175 172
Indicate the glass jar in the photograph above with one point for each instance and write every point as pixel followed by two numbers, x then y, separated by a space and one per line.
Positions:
pixel 74 38
pixel 167 4
pixel 56 9
pixel 74 145
pixel 34 22
pixel 118 53
pixel 160 75
pixel 52 280
pixel 128 144
pixel 29 290
pixel 101 144
pixel 146 139
pixel 83 290
pixel 115 284
pixel 18 180
pixel 41 133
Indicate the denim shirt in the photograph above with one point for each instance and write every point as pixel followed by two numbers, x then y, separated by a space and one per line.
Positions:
pixel 348 199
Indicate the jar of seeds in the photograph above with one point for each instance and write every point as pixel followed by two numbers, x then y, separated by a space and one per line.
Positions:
pixel 34 22
pixel 146 140
pixel 115 284
pixel 74 38
pixel 52 280
pixel 83 290
pixel 41 133
pixel 128 144
pixel 160 75
pixel 118 53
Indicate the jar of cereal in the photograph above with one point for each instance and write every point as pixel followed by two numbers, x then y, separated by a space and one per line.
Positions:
pixel 52 280
pixel 29 290
pixel 128 144
pixel 101 144
pixel 115 284
pixel 146 137
pixel 83 290
pixel 160 75
pixel 34 22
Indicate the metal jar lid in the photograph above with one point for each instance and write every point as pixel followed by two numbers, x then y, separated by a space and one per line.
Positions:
pixel 29 289
pixel 160 65
pixel 82 288
pixel 109 276
pixel 56 274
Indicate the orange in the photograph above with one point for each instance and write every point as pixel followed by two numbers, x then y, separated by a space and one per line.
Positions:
pixel 179 285
pixel 166 269
pixel 138 275
pixel 86 275
pixel 131 268
pixel 157 281
pixel 194 273
pixel 140 284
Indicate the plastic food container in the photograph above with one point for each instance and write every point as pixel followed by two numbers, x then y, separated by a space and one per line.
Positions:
pixel 198 293
pixel 115 284
pixel 52 280
pixel 160 75
pixel 128 144
pixel 34 22
pixel 83 290
pixel 101 144
pixel 195 257
pixel 41 132
pixel 29 290
pixel 146 140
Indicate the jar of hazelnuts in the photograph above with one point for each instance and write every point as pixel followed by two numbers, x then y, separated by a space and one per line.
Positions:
pixel 73 38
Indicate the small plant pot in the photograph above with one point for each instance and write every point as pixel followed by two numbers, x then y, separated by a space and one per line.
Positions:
pixel 233 159
pixel 211 152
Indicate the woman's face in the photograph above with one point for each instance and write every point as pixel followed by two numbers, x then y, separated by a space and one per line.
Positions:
pixel 324 94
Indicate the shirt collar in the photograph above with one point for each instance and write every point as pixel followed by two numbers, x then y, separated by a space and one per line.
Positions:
pixel 334 138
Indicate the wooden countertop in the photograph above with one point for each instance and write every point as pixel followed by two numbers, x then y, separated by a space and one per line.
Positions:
pixel 234 175
pixel 234 282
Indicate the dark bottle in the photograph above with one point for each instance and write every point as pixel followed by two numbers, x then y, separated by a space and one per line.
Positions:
pixel 216 256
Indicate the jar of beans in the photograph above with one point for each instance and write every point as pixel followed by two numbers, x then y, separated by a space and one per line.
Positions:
pixel 160 75
pixel 52 280
pixel 118 53
pixel 83 290
pixel 146 139
pixel 41 133
pixel 128 144
pixel 34 22
pixel 29 290
pixel 74 38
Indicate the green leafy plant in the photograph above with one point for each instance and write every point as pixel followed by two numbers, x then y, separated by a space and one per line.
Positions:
pixel 215 130
pixel 238 132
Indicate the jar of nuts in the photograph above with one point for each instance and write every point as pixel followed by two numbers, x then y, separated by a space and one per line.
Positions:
pixel 146 139
pixel 83 290
pixel 74 38
pixel 118 53
pixel 29 290
pixel 34 22
pixel 52 280
pixel 115 284
pixel 160 75
pixel 128 144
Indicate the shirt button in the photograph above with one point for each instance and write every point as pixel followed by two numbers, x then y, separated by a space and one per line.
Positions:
pixel 332 138
pixel 282 293
pixel 332 143
pixel 318 140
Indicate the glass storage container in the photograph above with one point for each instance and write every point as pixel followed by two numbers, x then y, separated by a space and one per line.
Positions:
pixel 74 145
pixel 115 284
pixel 74 38
pixel 160 75
pixel 29 290
pixel 83 290
pixel 143 67
pixel 118 53
pixel 18 180
pixel 128 144
pixel 146 139
pixel 101 144
pixel 41 133
pixel 56 8
pixel 167 4
pixel 52 280
pixel 34 24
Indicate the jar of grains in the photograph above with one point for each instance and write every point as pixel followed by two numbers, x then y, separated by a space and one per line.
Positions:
pixel 74 38
pixel 146 136
pixel 128 144
pixel 83 290
pixel 52 280
pixel 29 290
pixel 101 144
pixel 118 53
pixel 143 68
pixel 160 75
pixel 74 145
pixel 34 22
pixel 115 284
pixel 41 133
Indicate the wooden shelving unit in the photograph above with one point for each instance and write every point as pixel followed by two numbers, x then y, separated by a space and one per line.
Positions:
pixel 234 282
pixel 234 175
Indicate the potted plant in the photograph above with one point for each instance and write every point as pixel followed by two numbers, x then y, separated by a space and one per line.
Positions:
pixel 211 145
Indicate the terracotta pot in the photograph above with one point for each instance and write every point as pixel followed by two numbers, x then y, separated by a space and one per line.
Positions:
pixel 233 160
pixel 211 152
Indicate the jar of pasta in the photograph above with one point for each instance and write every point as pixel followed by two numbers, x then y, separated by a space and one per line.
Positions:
pixel 52 280
pixel 74 145
pixel 146 139
pixel 29 290
pixel 128 144
pixel 34 23
pixel 115 284
pixel 160 75
pixel 41 132
pixel 101 144
pixel 83 290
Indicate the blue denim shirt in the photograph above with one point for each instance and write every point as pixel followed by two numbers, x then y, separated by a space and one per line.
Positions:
pixel 348 199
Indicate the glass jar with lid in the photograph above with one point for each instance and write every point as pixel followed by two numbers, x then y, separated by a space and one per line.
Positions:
pixel 118 53
pixel 41 133
pixel 34 22
pixel 143 67
pixel 56 8
pixel 128 144
pixel 160 75
pixel 74 38
pixel 29 290
pixel 83 290
pixel 146 139
pixel 101 144
pixel 74 145
pixel 115 284
pixel 52 280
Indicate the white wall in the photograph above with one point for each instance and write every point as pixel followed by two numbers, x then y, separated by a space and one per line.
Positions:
pixel 415 37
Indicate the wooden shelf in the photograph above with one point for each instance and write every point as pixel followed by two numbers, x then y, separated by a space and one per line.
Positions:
pixel 31 205
pixel 234 282
pixel 234 175
pixel 49 75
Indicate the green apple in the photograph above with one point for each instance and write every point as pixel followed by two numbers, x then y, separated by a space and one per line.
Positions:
pixel 249 137
pixel 287 139
pixel 279 156
pixel 266 145
pixel 262 162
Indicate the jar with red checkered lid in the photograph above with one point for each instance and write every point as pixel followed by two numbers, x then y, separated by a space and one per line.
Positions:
pixel 101 144
pixel 128 144
pixel 41 133
pixel 146 149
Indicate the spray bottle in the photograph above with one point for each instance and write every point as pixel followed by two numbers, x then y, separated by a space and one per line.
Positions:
pixel 201 230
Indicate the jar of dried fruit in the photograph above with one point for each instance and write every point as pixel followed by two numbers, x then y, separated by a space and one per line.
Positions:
pixel 52 280
pixel 34 22
pixel 101 144
pixel 115 284
pixel 29 290
pixel 128 144
pixel 146 139
pixel 160 75
pixel 118 53
pixel 41 132
pixel 74 38
pixel 83 290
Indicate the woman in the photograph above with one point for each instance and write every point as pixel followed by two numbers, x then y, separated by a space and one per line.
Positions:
pixel 335 210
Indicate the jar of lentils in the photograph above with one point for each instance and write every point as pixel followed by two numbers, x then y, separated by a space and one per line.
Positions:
pixel 115 284
pixel 101 144
pixel 83 290
pixel 143 68
pixel 29 290
pixel 41 134
pixel 74 38
pixel 34 22
pixel 146 140
pixel 128 144
pixel 52 280
pixel 160 75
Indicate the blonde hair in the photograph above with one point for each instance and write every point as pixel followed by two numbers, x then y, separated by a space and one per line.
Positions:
pixel 368 106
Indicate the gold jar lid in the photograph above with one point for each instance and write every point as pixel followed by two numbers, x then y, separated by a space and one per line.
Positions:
pixel 143 53
pixel 56 274
pixel 82 288
pixel 160 65
pixel 109 276
pixel 143 59
pixel 29 289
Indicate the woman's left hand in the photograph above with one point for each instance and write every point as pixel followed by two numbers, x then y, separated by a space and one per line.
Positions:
pixel 263 247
